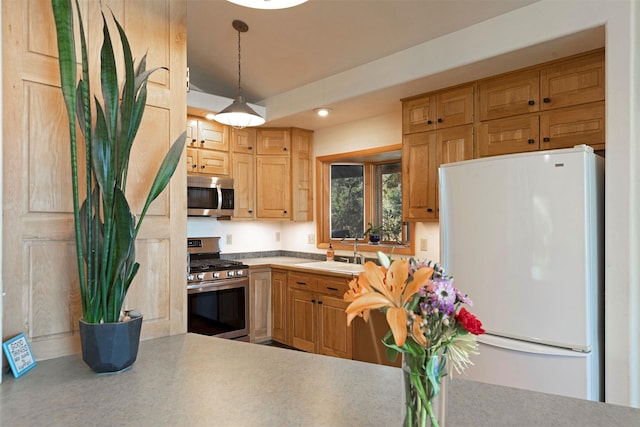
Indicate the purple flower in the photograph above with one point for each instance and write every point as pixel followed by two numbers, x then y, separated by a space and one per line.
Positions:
pixel 445 295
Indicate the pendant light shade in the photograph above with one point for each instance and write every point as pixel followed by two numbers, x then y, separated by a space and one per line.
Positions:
pixel 239 115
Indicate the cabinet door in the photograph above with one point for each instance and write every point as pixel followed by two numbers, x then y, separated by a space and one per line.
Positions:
pixel 243 140
pixel 275 141
pixel 213 135
pixel 454 145
pixel 572 126
pixel 192 160
pixel 334 337
pixel 213 162
pixel 192 132
pixel 279 306
pixel 260 306
pixel 419 176
pixel 244 184
pixel 454 107
pixel 509 95
pixel 507 136
pixel 273 192
pixel 419 115
pixel 301 179
pixel 302 326
pixel 578 81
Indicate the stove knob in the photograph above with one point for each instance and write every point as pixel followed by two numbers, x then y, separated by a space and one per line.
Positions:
pixel 231 273
pixel 239 273
pixel 190 277
pixel 216 275
pixel 201 276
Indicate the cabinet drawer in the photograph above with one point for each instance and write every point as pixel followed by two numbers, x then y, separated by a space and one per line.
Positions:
pixel 333 285
pixel 302 281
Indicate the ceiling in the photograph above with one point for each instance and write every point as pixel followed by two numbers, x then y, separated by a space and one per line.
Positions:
pixel 289 48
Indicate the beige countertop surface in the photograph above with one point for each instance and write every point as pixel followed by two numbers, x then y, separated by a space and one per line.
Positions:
pixel 292 263
pixel 195 380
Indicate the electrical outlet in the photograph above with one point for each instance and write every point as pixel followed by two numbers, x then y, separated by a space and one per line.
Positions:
pixel 277 236
pixel 311 239
pixel 423 244
pixel 229 239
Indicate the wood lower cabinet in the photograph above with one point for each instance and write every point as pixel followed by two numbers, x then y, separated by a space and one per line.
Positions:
pixel 317 320
pixel 279 306
pixel 260 305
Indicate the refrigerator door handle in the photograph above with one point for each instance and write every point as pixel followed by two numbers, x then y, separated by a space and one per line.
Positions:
pixel 527 347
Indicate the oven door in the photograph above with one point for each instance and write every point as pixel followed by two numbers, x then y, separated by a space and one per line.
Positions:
pixel 219 308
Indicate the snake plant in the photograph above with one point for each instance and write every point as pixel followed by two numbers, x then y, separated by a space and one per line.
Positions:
pixel 105 228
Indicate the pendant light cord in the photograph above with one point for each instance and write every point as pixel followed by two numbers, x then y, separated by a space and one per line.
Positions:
pixel 239 70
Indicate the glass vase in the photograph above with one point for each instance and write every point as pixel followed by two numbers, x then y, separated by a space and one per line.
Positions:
pixel 425 391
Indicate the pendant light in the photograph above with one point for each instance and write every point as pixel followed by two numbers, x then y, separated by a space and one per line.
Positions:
pixel 239 115
pixel 268 4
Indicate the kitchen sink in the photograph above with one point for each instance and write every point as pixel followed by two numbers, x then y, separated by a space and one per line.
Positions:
pixel 333 266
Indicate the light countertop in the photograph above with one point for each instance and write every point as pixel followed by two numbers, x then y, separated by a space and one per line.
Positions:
pixel 195 380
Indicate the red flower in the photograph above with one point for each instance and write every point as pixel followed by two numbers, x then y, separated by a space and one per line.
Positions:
pixel 469 322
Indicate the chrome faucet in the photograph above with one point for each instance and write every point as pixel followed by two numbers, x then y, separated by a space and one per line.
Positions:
pixel 357 258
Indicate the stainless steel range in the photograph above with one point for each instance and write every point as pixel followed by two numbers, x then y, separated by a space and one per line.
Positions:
pixel 217 291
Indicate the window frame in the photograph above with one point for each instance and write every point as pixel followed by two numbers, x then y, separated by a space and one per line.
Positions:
pixel 370 157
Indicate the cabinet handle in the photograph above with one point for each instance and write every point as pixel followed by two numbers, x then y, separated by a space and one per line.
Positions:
pixel 202 167
pixel 301 283
pixel 284 148
pixel 250 211
pixel 249 148
pixel 547 100
pixel 429 122
pixel 194 166
pixel 440 120
pixel 202 142
pixel 319 301
pixel 532 102
pixel 193 140
pixel 285 212
pixel 531 141
pixel 429 210
pixel 313 301
pixel 332 289
pixel 546 139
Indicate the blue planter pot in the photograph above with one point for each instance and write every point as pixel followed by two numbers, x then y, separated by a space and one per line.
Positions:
pixel 110 347
pixel 374 239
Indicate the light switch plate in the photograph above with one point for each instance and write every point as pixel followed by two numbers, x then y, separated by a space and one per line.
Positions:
pixel 311 239
pixel 423 244
pixel 277 236
pixel 229 239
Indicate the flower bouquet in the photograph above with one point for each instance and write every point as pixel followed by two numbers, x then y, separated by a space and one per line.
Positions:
pixel 427 325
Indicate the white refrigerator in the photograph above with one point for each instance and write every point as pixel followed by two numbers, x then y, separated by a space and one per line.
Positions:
pixel 522 235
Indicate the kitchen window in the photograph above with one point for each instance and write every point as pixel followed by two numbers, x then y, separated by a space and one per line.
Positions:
pixel 358 188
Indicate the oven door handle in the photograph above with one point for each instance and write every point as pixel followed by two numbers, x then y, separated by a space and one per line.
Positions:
pixel 217 286
pixel 219 188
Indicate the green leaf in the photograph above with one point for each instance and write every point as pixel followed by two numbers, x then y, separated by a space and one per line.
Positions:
pixel 109 79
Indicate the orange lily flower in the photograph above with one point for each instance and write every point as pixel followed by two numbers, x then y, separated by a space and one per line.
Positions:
pixel 378 287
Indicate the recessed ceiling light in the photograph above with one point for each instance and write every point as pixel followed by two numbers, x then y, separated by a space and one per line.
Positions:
pixel 268 4
pixel 322 112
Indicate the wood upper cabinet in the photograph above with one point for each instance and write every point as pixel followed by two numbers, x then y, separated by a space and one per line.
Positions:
pixel 207 147
pixel 273 187
pixel 301 176
pixel 513 94
pixel 273 141
pixel 318 322
pixel 573 82
pixel 454 145
pixel 571 126
pixel 419 173
pixel 279 306
pixel 260 305
pixel 506 136
pixel 448 108
pixel 243 140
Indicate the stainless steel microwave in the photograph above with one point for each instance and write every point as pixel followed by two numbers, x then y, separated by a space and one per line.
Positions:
pixel 209 196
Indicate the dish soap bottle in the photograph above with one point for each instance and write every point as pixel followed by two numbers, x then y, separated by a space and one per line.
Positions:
pixel 330 253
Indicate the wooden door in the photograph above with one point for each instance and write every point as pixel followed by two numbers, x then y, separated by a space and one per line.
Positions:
pixel 578 81
pixel 506 136
pixel 244 184
pixel 273 192
pixel 419 114
pixel 419 174
pixel 334 337
pixel 454 145
pixel 279 306
pixel 275 141
pixel 40 273
pixel 303 323
pixel 243 140
pixel 301 177
pixel 572 126
pixel 260 304
pixel 213 162
pixel 454 107
pixel 510 95
pixel 213 135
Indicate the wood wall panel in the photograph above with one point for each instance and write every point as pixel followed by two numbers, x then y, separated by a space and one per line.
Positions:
pixel 39 271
